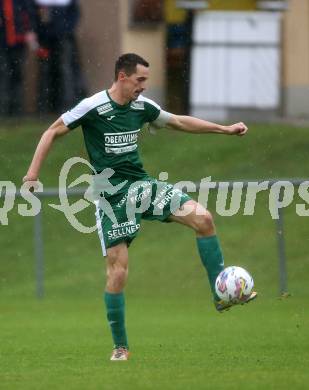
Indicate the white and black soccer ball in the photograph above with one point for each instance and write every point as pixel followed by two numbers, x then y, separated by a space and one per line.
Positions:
pixel 234 284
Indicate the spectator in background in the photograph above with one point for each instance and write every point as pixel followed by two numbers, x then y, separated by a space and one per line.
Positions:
pixel 61 83
pixel 16 32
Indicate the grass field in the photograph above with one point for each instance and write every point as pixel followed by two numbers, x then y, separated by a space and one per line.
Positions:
pixel 176 344
pixel 177 339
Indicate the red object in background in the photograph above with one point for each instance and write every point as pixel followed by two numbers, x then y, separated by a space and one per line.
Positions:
pixel 9 22
pixel 42 53
pixel 12 36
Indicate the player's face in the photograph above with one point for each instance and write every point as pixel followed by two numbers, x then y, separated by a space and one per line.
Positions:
pixel 135 84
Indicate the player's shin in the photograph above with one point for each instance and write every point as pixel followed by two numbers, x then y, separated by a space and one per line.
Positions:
pixel 212 259
pixel 115 309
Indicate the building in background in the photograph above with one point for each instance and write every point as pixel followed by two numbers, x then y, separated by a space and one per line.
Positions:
pixel 108 29
pixel 248 58
pixel 295 59
pixel 236 55
pixel 230 58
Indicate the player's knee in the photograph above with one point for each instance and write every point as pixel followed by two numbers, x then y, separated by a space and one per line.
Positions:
pixel 116 278
pixel 118 275
pixel 204 224
pixel 117 268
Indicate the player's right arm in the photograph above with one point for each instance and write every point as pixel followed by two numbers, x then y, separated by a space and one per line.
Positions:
pixel 56 130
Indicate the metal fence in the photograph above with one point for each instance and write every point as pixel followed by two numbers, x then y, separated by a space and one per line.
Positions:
pixel 79 192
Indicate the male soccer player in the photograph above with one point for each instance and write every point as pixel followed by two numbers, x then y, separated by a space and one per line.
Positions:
pixel 111 121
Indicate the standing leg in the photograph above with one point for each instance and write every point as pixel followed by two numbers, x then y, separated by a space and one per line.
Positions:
pixel 117 273
pixel 207 241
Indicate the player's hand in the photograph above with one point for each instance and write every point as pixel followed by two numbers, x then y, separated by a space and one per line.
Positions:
pixel 237 129
pixel 31 183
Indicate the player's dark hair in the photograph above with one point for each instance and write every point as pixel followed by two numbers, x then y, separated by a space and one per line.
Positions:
pixel 127 63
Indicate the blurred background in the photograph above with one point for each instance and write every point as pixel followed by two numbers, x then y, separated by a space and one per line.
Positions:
pixel 251 55
pixel 224 60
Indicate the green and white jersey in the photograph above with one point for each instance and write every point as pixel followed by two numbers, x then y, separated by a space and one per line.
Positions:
pixel 111 132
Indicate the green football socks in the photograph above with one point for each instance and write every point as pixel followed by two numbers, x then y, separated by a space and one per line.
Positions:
pixel 212 259
pixel 115 308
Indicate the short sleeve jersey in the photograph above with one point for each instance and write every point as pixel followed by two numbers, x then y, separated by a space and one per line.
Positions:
pixel 111 132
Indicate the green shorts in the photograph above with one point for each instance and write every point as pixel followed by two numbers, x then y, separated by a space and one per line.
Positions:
pixel 119 216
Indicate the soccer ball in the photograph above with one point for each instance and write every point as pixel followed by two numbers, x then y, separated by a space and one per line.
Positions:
pixel 234 284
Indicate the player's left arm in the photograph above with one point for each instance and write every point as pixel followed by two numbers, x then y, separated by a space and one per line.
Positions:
pixel 191 124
